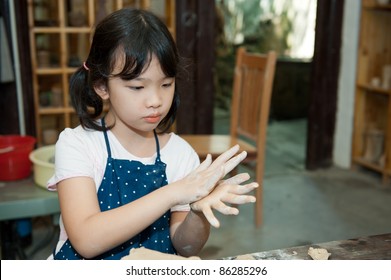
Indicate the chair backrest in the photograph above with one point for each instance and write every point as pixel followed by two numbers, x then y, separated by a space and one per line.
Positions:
pixel 252 89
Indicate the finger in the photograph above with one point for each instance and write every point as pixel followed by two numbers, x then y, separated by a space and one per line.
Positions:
pixel 224 157
pixel 195 206
pixel 208 213
pixel 233 162
pixel 238 199
pixel 237 179
pixel 243 189
pixel 205 164
pixel 225 209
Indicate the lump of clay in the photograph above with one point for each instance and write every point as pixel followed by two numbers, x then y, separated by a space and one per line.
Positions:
pixel 148 254
pixel 245 257
pixel 318 253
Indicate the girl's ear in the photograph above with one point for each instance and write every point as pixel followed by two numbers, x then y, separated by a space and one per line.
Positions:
pixel 102 91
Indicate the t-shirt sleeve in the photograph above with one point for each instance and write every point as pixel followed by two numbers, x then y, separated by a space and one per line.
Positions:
pixel 72 158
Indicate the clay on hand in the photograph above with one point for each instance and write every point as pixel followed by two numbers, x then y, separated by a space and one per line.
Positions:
pixel 207 175
pixel 227 191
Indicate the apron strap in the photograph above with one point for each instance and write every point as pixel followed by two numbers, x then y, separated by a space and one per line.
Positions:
pixel 108 145
pixel 106 138
pixel 157 145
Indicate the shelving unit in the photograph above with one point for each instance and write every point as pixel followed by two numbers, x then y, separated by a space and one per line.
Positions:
pixel 372 120
pixel 60 34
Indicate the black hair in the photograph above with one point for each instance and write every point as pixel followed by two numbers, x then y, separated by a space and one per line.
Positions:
pixel 137 34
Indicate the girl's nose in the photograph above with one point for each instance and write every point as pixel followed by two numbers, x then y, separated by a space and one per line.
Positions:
pixel 154 99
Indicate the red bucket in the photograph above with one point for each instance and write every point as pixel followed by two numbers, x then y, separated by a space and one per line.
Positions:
pixel 14 157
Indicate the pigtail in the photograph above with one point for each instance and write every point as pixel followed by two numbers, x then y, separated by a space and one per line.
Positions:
pixel 87 104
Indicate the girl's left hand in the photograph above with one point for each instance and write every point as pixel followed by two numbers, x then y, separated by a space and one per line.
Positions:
pixel 227 191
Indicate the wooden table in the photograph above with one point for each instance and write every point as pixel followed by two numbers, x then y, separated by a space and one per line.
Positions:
pixel 22 199
pixel 377 247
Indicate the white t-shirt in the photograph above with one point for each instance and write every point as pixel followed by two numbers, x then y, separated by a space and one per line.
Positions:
pixel 81 152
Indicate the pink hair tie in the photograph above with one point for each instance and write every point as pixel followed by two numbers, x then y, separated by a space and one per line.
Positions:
pixel 85 66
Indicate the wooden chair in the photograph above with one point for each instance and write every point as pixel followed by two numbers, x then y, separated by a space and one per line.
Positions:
pixel 252 88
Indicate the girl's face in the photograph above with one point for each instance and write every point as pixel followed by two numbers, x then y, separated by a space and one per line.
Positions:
pixel 140 104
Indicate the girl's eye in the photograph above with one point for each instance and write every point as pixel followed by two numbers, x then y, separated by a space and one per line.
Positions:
pixel 136 88
pixel 167 85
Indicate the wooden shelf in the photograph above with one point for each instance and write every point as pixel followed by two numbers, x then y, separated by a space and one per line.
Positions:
pixel 369 164
pixel 55 110
pixel 373 89
pixel 54 71
pixel 376 6
pixel 61 29
pixel 372 116
pixel 54 58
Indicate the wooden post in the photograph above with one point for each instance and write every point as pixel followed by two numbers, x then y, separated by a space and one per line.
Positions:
pixel 195 35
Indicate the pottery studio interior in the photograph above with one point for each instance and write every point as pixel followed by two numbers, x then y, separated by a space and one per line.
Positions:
pixel 316 131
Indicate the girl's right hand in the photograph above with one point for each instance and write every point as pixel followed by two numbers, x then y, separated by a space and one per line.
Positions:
pixel 204 179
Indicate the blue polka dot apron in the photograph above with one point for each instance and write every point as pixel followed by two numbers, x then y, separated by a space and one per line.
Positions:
pixel 125 181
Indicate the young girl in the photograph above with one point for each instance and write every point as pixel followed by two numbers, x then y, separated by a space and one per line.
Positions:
pixel 123 182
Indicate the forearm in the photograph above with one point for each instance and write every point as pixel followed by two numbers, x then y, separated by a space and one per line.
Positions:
pixel 191 235
pixel 100 231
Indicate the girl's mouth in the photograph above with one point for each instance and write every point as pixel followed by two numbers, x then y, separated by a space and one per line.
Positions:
pixel 152 119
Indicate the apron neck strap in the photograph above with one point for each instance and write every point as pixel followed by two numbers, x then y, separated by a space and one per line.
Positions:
pixel 106 137
pixel 108 146
pixel 157 145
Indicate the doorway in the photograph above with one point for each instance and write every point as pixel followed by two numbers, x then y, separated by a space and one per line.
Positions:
pixel 287 27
